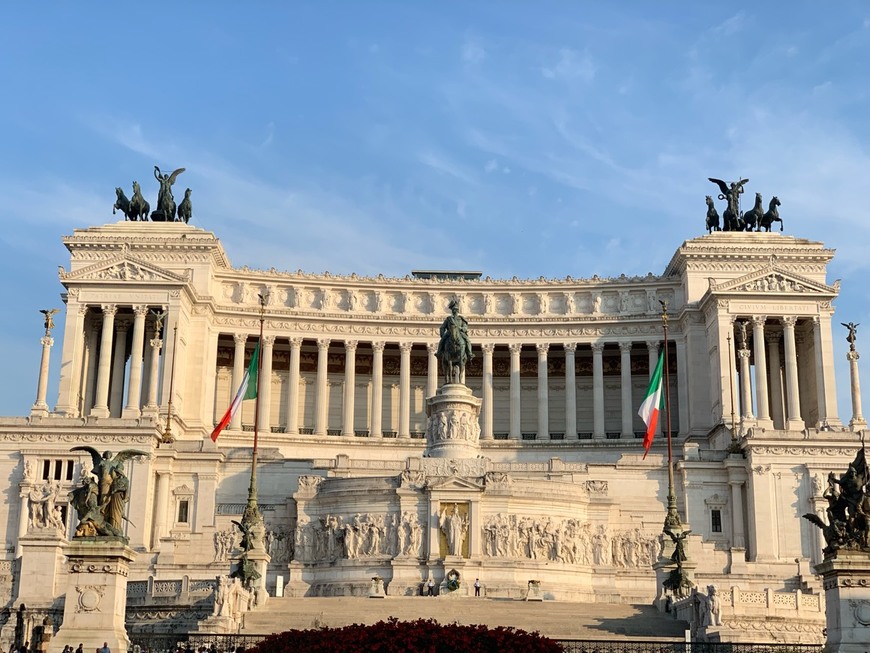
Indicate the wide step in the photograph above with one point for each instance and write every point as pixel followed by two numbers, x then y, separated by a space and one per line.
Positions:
pixel 559 620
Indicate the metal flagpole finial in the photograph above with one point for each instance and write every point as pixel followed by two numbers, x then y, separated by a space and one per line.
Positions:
pixel 664 304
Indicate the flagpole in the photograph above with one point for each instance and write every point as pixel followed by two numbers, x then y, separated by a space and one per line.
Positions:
pixel 252 514
pixel 167 433
pixel 672 519
pixel 731 389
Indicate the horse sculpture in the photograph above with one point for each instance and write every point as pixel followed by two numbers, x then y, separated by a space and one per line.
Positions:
pixel 453 356
pixel 712 216
pixel 771 216
pixel 139 208
pixel 753 216
pixel 122 204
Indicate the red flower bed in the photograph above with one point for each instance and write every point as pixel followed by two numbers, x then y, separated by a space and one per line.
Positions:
pixel 394 636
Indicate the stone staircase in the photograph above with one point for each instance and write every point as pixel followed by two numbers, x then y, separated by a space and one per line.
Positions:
pixel 559 620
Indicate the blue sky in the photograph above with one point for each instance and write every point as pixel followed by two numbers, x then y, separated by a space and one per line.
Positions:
pixel 516 138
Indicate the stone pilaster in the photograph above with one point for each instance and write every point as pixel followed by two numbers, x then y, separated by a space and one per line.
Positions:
pixel 543 393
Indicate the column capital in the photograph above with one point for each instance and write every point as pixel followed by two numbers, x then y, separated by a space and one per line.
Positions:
pixel 773 337
pixel 405 347
pixel 515 347
pixel 625 347
pixel 83 309
pixel 788 321
pixel 759 320
pixel 543 348
pixel 323 343
pixel 140 310
pixel 296 342
pixel 597 347
pixel 240 339
pixel 431 347
pixel 350 345
pixel 744 353
pixel 654 345
pixel 570 347
pixel 378 346
pixel 122 326
pixel 488 348
pixel 109 309
pixel 852 356
pixel 46 341
pixel 817 320
pixel 156 343
pixel 268 341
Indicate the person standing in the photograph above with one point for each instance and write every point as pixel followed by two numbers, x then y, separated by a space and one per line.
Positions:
pixel 477 587
pixel 430 587
pixel 105 648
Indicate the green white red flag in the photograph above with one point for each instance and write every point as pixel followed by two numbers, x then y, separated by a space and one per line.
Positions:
pixel 247 390
pixel 651 408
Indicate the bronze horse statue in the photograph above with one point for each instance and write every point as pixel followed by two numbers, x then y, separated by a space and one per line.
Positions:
pixel 771 216
pixel 453 354
pixel 712 216
pixel 139 208
pixel 753 216
pixel 122 204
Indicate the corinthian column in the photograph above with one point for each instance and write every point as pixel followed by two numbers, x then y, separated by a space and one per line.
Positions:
pixel 293 387
pixel 321 393
pixel 793 402
pixel 598 390
pixel 432 369
pixel 104 367
pixel 857 423
pixel 156 343
pixel 774 373
pixel 761 406
pixel 515 427
pixel 265 385
pixel 377 389
pixel 486 432
pixel 119 361
pixel 40 407
pixel 543 393
pixel 625 383
pixel 405 389
pixel 570 391
pixel 745 385
pixel 347 428
pixel 134 393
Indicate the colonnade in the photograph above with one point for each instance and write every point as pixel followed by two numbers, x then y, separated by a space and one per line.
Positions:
pixel 321 382
pixel 782 363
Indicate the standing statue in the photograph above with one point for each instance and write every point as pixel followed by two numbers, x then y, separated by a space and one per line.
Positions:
pixel 731 194
pixel 454 348
pixel 165 201
pixel 853 330
pixel 49 314
pixel 679 555
pixel 100 504
pixel 454 526
pixel 185 209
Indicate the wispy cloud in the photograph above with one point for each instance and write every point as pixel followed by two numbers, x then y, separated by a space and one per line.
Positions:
pixel 571 65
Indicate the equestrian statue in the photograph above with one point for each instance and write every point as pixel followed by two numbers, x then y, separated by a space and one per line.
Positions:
pixel 755 219
pixel 454 348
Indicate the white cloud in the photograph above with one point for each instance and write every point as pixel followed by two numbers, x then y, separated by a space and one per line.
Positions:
pixel 491 165
pixel 731 25
pixel 473 52
pixel 571 65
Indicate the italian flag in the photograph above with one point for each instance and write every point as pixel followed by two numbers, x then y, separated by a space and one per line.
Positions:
pixel 247 390
pixel 651 407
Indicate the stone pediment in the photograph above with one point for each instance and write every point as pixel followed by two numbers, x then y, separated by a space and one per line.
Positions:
pixel 124 268
pixel 774 281
pixel 455 483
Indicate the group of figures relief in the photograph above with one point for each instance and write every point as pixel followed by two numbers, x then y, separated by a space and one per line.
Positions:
pixel 733 219
pixel 330 538
pixel 44 511
pixel 569 541
pixel 137 208
pixel 848 512
pixel 453 425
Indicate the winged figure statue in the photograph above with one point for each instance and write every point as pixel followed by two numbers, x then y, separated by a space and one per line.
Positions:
pixel 100 503
pixel 49 314
pixel 731 194
pixel 165 200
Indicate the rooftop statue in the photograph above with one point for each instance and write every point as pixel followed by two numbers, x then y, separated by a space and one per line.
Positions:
pixel 454 348
pixel 771 216
pixel 853 331
pixel 49 314
pixel 848 512
pixel 185 209
pixel 731 194
pixel 165 201
pixel 100 503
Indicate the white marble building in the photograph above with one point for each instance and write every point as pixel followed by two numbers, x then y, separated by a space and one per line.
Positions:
pixel 558 491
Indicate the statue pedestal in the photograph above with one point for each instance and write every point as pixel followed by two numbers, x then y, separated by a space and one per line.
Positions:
pixel 96 594
pixel 846 579
pixel 42 556
pixel 261 562
pixel 453 430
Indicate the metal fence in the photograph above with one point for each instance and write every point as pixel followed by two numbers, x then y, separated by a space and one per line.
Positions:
pixel 178 643
pixel 601 646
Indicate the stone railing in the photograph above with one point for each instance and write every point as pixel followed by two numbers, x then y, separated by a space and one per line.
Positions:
pixel 183 591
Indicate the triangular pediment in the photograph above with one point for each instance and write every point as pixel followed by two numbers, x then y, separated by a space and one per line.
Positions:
pixel 124 268
pixel 455 483
pixel 773 280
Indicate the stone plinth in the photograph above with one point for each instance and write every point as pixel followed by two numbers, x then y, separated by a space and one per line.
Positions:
pixel 846 579
pixel 96 594
pixel 453 430
pixel 42 558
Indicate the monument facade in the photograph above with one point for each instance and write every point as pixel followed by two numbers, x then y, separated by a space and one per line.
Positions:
pixel 509 450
